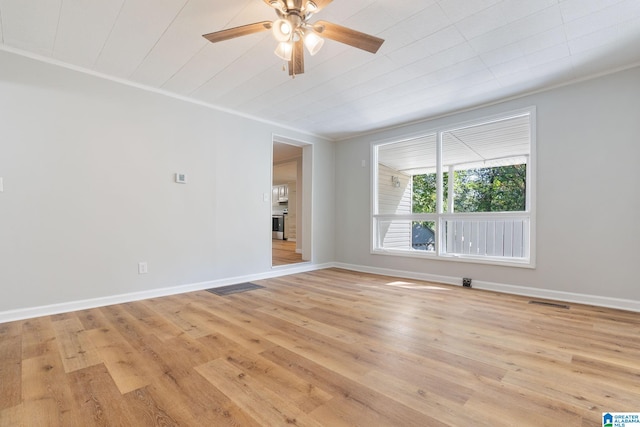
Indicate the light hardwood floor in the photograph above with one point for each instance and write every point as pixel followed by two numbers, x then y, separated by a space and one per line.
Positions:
pixel 328 348
pixel 284 252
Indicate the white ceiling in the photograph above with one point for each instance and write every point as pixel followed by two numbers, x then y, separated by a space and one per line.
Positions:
pixel 439 55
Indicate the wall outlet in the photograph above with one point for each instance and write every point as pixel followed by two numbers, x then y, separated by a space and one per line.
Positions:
pixel 466 282
pixel 143 268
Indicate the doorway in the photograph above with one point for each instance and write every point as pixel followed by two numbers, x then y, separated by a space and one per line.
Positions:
pixel 290 202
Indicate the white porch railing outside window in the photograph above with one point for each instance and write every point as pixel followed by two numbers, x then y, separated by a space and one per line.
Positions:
pixel 504 237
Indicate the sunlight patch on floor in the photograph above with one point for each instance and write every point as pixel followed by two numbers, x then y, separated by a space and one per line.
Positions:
pixel 409 285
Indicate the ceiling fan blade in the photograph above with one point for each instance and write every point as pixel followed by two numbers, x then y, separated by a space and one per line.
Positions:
pixel 296 65
pixel 244 30
pixel 348 36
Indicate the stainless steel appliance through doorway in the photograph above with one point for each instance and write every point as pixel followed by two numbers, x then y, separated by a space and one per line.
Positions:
pixel 277 227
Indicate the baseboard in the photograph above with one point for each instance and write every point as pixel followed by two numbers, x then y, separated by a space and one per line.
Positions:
pixel 285 270
pixel 47 310
pixel 595 300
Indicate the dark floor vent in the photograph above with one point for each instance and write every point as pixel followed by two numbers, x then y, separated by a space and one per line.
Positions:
pixel 550 304
pixel 234 289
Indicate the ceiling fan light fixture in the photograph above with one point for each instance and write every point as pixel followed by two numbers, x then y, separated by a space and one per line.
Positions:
pixel 282 30
pixel 313 42
pixel 284 51
pixel 277 4
pixel 310 7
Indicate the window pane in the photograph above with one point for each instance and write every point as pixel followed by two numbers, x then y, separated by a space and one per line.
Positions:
pixel 497 189
pixel 406 235
pixel 424 193
pixel 397 164
pixel 423 237
pixel 489 165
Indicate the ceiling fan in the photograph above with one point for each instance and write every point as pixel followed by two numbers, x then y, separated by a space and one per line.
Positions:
pixel 293 31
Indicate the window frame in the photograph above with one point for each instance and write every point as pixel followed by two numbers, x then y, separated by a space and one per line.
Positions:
pixel 441 216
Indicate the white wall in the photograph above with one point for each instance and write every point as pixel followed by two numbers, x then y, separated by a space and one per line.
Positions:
pixel 588 199
pixel 88 170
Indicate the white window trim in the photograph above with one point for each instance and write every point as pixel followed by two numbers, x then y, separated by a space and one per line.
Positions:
pixel 439 216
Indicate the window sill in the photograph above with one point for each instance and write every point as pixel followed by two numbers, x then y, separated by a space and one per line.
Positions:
pixel 498 261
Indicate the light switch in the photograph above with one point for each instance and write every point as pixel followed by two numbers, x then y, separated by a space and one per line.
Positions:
pixel 1 184
pixel 266 197
pixel 181 178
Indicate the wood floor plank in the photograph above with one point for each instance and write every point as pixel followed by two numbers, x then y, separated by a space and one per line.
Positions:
pixel 303 394
pixel 284 252
pixel 99 401
pixel 13 416
pixel 92 319
pixel 262 404
pixel 76 350
pixel 328 347
pixel 183 393
pixel 345 411
pixel 142 403
pixel 421 396
pixel 298 317
pixel 10 370
pixel 46 393
pixel 127 368
pixel 622 374
pixel 151 320
pixel 320 348
pixel 38 338
pixel 137 333
pixel 506 405
pixel 186 350
pixel 450 382
pixel 353 404
pixel 44 412
pixel 253 342
pixel 580 391
pixel 191 400
pixel 160 327
pixel 177 312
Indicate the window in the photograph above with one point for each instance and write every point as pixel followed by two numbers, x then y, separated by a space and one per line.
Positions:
pixel 462 192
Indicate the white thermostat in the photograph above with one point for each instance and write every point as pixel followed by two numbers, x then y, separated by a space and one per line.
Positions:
pixel 181 178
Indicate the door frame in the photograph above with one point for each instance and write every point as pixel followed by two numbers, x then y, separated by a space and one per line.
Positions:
pixel 304 190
